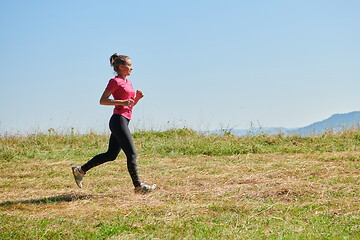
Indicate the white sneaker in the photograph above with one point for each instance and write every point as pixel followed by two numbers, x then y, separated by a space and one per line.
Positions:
pixel 78 176
pixel 145 188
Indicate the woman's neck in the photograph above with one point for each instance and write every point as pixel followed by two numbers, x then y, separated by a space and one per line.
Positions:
pixel 122 77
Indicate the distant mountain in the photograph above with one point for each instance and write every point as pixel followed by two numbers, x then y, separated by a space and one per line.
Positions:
pixel 335 123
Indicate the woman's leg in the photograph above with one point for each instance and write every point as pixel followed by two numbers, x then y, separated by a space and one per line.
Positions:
pixel 119 128
pixel 111 154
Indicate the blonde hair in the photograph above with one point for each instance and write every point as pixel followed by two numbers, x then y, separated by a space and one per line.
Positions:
pixel 116 60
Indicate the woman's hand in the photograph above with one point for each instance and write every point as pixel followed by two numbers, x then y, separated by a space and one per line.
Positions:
pixel 128 102
pixel 139 94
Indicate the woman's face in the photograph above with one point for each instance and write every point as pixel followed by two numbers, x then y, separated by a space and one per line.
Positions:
pixel 126 69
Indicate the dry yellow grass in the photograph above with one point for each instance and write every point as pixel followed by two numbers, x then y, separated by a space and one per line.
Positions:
pixel 257 185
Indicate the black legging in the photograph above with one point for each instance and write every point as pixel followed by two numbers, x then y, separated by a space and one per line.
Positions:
pixel 120 139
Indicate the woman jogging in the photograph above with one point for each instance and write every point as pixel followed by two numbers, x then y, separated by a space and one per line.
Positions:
pixel 124 100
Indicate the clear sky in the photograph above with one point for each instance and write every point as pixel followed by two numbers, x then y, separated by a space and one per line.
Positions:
pixel 201 64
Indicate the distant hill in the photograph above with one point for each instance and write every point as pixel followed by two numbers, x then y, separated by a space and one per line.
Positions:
pixel 335 123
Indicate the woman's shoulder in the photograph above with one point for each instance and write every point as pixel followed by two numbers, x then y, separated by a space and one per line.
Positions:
pixel 113 84
pixel 119 80
pixel 115 81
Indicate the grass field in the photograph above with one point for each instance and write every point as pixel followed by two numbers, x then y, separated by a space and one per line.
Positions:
pixel 209 187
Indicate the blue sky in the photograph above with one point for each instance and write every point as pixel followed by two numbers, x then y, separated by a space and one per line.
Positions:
pixel 201 64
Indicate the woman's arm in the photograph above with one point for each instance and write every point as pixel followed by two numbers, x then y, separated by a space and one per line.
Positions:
pixel 105 100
